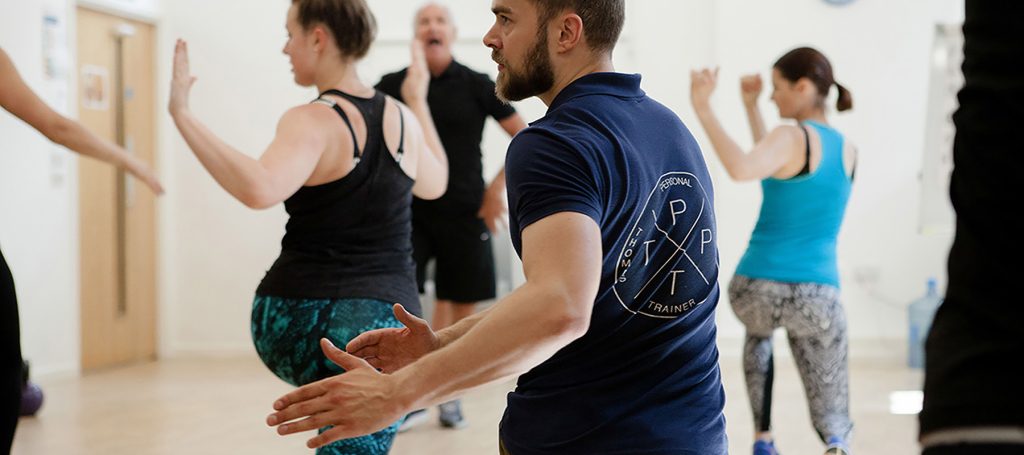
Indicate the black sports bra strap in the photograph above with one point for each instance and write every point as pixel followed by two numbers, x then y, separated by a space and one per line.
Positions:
pixel 807 162
pixel 401 133
pixel 356 154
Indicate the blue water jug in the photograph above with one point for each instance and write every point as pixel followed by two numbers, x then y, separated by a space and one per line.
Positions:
pixel 921 312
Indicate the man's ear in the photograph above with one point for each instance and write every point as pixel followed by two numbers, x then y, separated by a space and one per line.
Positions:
pixel 570 32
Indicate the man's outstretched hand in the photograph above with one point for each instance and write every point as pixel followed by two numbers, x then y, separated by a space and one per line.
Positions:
pixel 358 402
pixel 391 349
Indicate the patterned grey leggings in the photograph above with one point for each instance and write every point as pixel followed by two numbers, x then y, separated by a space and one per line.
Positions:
pixel 816 326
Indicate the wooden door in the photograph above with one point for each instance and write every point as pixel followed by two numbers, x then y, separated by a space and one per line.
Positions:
pixel 117 213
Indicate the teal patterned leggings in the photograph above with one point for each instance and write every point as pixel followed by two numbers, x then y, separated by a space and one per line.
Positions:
pixel 287 335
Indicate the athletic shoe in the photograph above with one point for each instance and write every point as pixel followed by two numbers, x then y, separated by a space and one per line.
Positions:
pixel 762 447
pixel 451 415
pixel 412 420
pixel 836 446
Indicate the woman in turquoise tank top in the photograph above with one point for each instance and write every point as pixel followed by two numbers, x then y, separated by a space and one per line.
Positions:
pixel 788 276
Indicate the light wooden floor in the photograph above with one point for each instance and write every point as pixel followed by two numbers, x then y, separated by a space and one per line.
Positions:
pixel 217 406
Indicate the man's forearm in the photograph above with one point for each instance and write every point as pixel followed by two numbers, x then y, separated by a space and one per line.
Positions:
pixel 457 330
pixel 498 183
pixel 515 335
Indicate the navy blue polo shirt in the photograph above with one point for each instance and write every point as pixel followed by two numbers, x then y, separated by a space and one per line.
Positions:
pixel 644 379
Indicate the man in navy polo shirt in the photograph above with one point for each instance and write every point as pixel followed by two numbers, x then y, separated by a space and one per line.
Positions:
pixel 612 212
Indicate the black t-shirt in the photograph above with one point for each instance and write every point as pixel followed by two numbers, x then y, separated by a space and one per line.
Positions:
pixel 976 343
pixel 460 101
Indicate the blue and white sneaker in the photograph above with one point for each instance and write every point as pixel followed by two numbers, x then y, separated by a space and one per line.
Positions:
pixel 837 446
pixel 451 415
pixel 762 447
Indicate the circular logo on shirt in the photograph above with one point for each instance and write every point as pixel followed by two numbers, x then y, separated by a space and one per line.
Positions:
pixel 669 264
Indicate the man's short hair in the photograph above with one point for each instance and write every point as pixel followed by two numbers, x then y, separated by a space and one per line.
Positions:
pixel 602 19
pixel 428 3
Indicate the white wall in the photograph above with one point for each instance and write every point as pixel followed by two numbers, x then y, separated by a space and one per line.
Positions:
pixel 880 51
pixel 214 251
pixel 38 199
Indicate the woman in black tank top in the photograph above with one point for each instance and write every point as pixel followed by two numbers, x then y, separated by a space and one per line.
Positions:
pixel 346 167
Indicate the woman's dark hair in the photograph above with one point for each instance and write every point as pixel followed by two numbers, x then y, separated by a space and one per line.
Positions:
pixel 806 62
pixel 350 21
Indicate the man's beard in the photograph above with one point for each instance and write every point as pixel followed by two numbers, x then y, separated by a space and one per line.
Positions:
pixel 538 76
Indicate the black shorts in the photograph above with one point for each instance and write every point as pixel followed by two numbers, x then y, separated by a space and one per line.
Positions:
pixel 461 245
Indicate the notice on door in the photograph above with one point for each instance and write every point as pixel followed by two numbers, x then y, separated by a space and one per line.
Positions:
pixel 95 88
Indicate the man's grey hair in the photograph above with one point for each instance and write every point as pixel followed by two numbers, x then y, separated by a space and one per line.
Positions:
pixel 447 10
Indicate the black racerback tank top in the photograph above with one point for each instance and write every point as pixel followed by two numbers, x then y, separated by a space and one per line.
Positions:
pixel 351 238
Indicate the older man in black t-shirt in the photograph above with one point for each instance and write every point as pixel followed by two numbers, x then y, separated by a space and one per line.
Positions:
pixel 456 229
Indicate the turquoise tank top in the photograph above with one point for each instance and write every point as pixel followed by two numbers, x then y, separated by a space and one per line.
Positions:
pixel 794 240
